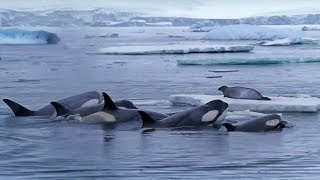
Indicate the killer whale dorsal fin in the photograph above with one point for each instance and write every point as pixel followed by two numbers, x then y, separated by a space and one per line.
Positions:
pixel 60 109
pixel 266 98
pixel 229 126
pixel 147 120
pixel 18 109
pixel 108 102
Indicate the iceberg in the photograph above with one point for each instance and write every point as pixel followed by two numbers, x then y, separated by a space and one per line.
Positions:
pixel 202 26
pixel 20 36
pixel 290 41
pixel 249 60
pixel 251 32
pixel 277 104
pixel 173 49
pixel 306 28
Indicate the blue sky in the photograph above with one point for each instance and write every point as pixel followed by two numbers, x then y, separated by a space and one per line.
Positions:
pixel 186 8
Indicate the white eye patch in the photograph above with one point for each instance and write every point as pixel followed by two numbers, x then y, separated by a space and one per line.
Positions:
pixel 209 116
pixel 273 122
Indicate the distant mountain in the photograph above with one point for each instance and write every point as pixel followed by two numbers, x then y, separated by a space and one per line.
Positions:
pixel 115 18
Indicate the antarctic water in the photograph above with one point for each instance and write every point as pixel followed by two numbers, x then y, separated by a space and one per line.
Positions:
pixel 37 148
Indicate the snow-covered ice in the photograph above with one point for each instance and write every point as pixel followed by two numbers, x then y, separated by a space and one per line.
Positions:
pixel 277 104
pixel 151 102
pixel 174 49
pixel 251 32
pixel 243 115
pixel 259 60
pixel 291 41
pixel 20 36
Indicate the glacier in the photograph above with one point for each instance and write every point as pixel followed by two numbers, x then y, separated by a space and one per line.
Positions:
pixel 249 60
pixel 20 36
pixel 173 49
pixel 277 104
pixel 251 32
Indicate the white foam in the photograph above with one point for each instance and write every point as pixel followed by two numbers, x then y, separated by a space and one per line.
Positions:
pixel 251 32
pixel 291 41
pixel 277 104
pixel 174 49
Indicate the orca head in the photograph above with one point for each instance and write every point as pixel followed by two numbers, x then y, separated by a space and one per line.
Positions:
pixel 215 111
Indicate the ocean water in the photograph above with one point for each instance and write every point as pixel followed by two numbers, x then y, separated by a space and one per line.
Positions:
pixel 38 148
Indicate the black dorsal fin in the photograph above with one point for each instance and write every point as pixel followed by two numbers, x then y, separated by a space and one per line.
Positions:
pixel 18 109
pixel 147 120
pixel 60 109
pixel 229 126
pixel 108 102
pixel 266 98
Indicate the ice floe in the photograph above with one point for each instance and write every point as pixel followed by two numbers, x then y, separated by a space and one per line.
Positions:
pixel 251 32
pixel 173 49
pixel 306 28
pixel 291 41
pixel 20 36
pixel 248 60
pixel 277 104
pixel 243 115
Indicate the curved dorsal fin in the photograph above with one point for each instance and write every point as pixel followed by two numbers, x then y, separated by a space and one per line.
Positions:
pixel 229 126
pixel 108 102
pixel 60 109
pixel 18 109
pixel 147 120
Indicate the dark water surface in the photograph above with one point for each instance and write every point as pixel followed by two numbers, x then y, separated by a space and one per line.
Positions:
pixel 35 148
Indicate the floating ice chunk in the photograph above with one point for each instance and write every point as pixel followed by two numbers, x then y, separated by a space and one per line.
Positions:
pixel 20 36
pixel 202 26
pixel 223 70
pixel 251 32
pixel 277 104
pixel 174 49
pixel 291 41
pixel 246 114
pixel 306 28
pixel 151 102
pixel 248 60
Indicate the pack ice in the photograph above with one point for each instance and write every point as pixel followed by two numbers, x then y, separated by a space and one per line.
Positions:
pixel 251 32
pixel 173 49
pixel 277 104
